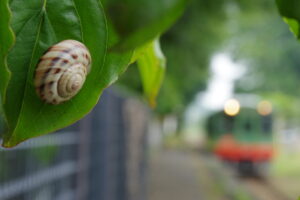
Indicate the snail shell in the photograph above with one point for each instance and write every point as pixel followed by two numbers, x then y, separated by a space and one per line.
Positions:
pixel 61 71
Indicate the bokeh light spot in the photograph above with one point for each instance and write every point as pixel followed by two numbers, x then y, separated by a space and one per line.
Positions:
pixel 232 107
pixel 264 108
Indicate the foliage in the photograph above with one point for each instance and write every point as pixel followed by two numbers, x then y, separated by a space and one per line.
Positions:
pixel 118 32
pixel 139 21
pixel 6 41
pixel 37 25
pixel 289 9
pixel 188 46
pixel 151 63
pixel 259 38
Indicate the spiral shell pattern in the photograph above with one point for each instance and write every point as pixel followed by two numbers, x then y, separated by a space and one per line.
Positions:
pixel 61 71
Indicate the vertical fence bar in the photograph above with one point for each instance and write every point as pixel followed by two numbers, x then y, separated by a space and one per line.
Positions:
pixel 83 158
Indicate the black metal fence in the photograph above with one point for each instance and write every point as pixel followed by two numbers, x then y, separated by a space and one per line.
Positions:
pixel 102 157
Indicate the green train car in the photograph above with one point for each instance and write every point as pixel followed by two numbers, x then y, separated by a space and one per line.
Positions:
pixel 243 137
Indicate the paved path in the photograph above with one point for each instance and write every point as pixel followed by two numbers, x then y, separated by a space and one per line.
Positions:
pixel 187 175
pixel 174 175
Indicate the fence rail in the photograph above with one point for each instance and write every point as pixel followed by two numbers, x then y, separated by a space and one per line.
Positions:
pixel 103 156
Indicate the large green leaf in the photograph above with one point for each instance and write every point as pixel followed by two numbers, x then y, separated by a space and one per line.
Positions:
pixel 6 41
pixel 290 11
pixel 139 21
pixel 116 62
pixel 152 64
pixel 38 25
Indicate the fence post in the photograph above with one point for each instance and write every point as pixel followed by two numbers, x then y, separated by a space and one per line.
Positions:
pixel 82 179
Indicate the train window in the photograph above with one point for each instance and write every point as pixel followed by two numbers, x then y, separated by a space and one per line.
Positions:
pixel 213 126
pixel 247 126
pixel 266 123
pixel 228 124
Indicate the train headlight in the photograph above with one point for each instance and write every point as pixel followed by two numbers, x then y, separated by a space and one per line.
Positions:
pixel 264 108
pixel 232 107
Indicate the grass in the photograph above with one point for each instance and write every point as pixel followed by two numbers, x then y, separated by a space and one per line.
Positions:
pixel 286 164
pixel 285 171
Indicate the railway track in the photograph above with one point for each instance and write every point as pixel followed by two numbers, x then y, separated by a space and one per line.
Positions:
pixel 263 189
pixel 233 185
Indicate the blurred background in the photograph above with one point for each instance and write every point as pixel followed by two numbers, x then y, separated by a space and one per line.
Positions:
pixel 225 127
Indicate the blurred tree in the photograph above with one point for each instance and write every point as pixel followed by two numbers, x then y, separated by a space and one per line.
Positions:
pixel 259 38
pixel 188 46
pixel 252 32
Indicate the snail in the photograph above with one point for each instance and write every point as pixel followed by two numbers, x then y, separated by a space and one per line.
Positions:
pixel 61 71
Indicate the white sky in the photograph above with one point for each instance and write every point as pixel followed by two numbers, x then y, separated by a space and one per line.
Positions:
pixel 223 73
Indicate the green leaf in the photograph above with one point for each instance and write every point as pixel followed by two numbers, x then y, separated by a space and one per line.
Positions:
pixel 290 11
pixel 116 62
pixel 294 25
pixel 140 21
pixel 38 25
pixel 2 123
pixel 6 41
pixel 152 64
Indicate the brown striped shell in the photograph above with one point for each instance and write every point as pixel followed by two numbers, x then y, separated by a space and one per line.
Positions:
pixel 61 71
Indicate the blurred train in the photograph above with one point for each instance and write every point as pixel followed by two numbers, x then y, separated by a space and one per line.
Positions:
pixel 242 136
